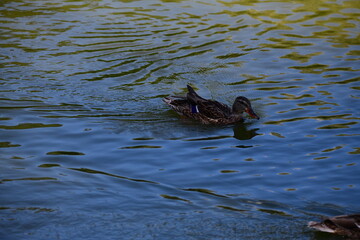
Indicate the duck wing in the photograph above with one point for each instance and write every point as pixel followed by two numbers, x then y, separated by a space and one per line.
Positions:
pixel 208 108
pixel 347 221
pixel 214 109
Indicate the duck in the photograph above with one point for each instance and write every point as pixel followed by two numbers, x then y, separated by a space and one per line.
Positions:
pixel 345 225
pixel 207 111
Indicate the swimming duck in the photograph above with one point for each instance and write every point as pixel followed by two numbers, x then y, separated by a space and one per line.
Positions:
pixel 209 111
pixel 346 225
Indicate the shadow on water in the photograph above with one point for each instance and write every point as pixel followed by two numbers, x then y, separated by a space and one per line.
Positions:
pixel 242 131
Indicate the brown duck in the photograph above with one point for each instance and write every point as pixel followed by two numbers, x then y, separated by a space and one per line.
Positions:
pixel 209 111
pixel 346 225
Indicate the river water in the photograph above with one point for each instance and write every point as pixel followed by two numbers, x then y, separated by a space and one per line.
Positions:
pixel 88 149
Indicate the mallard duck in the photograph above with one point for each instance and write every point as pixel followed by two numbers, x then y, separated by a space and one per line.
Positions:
pixel 346 225
pixel 209 111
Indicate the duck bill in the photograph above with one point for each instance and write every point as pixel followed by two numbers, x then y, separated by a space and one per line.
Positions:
pixel 252 113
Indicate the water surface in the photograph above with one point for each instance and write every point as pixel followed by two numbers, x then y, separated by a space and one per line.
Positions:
pixel 89 150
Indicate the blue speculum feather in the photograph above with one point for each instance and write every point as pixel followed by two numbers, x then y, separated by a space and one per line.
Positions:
pixel 194 108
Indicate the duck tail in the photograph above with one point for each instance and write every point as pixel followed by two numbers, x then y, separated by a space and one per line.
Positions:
pixel 192 96
pixel 190 89
pixel 167 100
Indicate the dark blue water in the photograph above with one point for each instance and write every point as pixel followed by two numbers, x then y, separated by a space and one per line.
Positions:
pixel 88 149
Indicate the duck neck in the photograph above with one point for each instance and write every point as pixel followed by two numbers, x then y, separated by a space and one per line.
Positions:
pixel 236 116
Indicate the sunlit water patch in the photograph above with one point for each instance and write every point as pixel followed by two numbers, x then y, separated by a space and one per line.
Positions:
pixel 88 148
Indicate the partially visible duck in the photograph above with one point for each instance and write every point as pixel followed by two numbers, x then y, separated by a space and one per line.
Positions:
pixel 346 225
pixel 209 111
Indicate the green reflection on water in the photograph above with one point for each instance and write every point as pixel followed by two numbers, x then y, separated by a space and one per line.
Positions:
pixel 91 171
pixel 29 179
pixel 174 198
pixel 356 151
pixel 23 126
pixel 65 153
pixel 8 144
pixel 338 125
pixel 141 146
pixel 49 165
pixel 296 56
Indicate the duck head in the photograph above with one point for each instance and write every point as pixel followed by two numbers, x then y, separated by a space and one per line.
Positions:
pixel 242 104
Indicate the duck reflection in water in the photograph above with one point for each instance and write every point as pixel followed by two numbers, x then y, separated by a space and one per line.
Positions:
pixel 241 132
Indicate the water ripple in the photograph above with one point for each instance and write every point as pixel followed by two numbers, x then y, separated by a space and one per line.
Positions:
pixel 81 89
